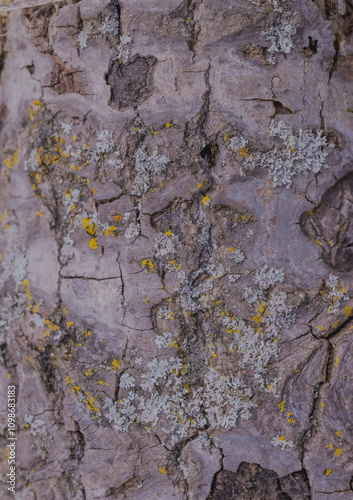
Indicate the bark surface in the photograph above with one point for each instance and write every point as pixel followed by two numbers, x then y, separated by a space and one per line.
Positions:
pixel 176 248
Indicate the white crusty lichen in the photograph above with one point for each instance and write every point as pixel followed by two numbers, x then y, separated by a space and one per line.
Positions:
pixel 196 297
pixel 277 314
pixel 138 127
pixel 227 398
pixel 165 244
pixel 300 154
pixel 14 287
pixel 104 145
pixel 146 166
pixel 233 278
pixel 266 277
pixel 281 34
pixel 37 428
pixel 258 344
pixel 109 26
pixel 163 341
pixel 132 231
pixel 32 162
pixel 238 256
pixel 165 400
pixel 82 40
pixel 127 381
pixel 282 442
pixel 183 467
pixel 116 163
pixel 120 51
pixel 334 295
pixel 165 395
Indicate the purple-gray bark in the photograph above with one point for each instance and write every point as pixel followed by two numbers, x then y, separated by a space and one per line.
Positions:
pixel 176 248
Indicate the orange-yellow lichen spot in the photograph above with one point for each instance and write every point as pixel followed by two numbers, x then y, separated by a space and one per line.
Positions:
pixel 147 264
pixel 117 363
pixel 26 286
pixel 93 244
pixel 348 311
pixel 110 231
pixel 244 151
pixel 11 162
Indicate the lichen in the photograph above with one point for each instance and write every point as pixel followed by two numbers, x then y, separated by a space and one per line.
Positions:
pixel 300 154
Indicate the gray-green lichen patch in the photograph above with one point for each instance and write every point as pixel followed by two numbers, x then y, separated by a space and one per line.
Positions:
pixel 166 322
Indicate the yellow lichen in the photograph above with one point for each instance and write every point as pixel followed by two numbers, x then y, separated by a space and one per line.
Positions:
pixel 148 265
pixel 348 311
pixel 117 363
pixel 89 226
pixel 12 160
pixel 51 325
pixel 110 231
pixel 244 151
pixel 317 242
pixel 26 286
pixel 93 244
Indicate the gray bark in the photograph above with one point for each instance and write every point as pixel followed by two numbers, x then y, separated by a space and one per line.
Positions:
pixel 176 248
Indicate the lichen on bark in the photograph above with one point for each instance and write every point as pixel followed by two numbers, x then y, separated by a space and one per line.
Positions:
pixel 176 292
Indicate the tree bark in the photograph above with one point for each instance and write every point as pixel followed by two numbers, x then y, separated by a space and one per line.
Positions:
pixel 176 249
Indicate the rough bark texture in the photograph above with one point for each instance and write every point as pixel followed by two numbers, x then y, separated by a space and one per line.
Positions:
pixel 177 248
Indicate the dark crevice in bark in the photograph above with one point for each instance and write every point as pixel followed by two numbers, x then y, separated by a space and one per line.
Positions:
pixel 336 45
pixel 90 278
pixel 215 477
